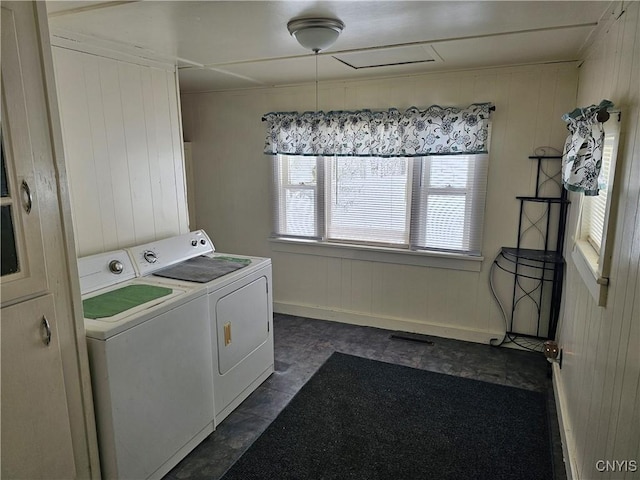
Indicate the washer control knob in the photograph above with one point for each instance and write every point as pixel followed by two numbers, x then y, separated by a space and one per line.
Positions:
pixel 150 256
pixel 116 266
pixel 203 241
pixel 194 243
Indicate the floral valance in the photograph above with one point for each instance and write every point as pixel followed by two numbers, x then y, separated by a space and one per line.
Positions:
pixel 389 133
pixel 582 155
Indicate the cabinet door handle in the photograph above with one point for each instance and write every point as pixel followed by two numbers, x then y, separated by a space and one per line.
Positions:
pixel 27 198
pixel 47 331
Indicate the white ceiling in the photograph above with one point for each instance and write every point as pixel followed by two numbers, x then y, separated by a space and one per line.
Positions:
pixel 222 45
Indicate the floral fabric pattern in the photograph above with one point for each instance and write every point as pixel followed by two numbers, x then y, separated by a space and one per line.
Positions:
pixel 389 133
pixel 582 154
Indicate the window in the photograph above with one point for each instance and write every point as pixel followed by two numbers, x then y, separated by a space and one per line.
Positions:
pixel 450 198
pixel 298 198
pixel 419 203
pixel 591 254
pixel 369 200
pixel 594 208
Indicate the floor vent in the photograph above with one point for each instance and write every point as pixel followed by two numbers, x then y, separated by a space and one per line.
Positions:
pixel 412 337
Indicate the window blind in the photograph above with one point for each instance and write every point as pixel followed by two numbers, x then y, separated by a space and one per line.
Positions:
pixel 449 203
pixel 368 199
pixel 421 203
pixel 298 197
pixel 595 207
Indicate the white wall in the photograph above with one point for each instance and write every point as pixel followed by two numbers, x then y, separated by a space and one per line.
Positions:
pixel 122 140
pixel 598 385
pixel 233 201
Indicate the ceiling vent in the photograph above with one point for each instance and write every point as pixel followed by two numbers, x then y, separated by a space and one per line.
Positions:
pixel 389 56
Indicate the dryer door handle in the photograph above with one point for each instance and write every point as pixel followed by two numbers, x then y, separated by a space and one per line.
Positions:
pixel 227 333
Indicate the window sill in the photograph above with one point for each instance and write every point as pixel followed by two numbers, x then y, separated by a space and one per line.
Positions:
pixel 451 261
pixel 586 260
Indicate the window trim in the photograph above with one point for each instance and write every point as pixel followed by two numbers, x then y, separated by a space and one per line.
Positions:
pixel 378 254
pixel 594 266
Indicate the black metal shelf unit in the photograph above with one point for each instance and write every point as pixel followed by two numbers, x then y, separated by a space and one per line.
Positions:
pixel 536 262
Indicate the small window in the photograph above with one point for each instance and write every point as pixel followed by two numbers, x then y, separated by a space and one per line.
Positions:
pixel 592 252
pixel 298 196
pixel 449 203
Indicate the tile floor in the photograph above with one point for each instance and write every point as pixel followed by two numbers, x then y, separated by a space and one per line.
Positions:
pixel 302 345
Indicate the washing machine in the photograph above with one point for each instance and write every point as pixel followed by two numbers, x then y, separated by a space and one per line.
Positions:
pixel 150 363
pixel 240 309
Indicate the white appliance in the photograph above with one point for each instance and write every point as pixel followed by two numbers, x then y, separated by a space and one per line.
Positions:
pixel 240 309
pixel 150 366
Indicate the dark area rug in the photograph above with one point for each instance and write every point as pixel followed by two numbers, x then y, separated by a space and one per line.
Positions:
pixel 363 419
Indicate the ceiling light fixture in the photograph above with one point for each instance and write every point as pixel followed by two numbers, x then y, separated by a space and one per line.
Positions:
pixel 315 34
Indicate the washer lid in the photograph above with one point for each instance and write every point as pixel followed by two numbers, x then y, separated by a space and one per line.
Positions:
pixel 203 269
pixel 105 327
pixel 114 302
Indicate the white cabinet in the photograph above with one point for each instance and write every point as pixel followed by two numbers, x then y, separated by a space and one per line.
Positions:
pixel 23 266
pixel 36 435
pixel 47 428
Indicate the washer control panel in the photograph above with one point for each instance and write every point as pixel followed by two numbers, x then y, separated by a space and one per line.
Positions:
pixel 104 270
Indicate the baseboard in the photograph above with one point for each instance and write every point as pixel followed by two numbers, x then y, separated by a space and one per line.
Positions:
pixel 384 322
pixel 566 434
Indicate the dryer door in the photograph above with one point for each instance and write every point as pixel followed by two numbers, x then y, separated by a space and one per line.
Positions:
pixel 242 322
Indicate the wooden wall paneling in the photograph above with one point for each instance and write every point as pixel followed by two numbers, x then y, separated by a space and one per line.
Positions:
pixel 565 93
pixel 304 278
pixel 589 404
pixel 151 134
pixel 625 272
pixel 388 301
pixel 463 296
pixel 438 90
pixel 362 286
pixel 627 443
pixel 124 147
pixel 333 278
pixel 368 95
pixel 437 287
pixel 600 373
pixel 415 302
pixel 104 191
pixel 394 292
pixel 167 193
pixel 72 91
pixel 626 301
pixel 346 292
pixel 117 150
pixel 135 133
pixel 178 181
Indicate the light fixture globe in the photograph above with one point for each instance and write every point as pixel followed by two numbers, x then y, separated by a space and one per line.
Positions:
pixel 315 34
